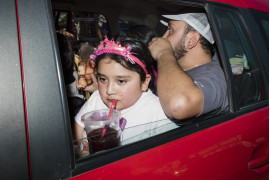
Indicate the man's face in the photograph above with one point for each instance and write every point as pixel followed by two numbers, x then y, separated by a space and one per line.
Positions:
pixel 175 34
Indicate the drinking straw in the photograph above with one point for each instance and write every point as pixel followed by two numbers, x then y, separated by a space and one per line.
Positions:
pixel 109 117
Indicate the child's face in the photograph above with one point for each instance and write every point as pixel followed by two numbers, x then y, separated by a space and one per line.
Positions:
pixel 117 82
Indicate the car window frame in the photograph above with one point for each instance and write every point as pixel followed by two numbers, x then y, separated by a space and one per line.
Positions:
pixel 245 43
pixel 14 149
pixel 188 127
pixel 49 130
pixel 243 15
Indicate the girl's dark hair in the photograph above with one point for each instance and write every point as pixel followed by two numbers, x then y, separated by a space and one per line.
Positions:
pixel 142 32
pixel 141 52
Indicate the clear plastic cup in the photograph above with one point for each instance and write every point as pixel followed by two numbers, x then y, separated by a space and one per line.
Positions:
pixel 96 123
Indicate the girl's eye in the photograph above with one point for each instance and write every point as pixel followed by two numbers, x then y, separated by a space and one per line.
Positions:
pixel 101 79
pixel 122 81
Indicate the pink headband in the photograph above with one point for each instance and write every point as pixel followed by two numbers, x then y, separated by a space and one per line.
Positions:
pixel 107 46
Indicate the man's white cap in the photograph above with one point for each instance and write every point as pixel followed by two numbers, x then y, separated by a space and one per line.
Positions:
pixel 196 20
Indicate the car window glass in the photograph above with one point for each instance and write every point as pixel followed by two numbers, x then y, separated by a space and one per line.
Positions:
pixel 85 26
pixel 262 20
pixel 124 26
pixel 139 132
pixel 89 26
pixel 61 20
pixel 241 55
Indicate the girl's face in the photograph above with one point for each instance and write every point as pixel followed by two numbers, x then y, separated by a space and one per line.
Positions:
pixel 117 82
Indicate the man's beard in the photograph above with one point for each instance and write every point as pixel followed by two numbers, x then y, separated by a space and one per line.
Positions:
pixel 180 50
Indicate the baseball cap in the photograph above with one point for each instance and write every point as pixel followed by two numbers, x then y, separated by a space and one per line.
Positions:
pixel 196 20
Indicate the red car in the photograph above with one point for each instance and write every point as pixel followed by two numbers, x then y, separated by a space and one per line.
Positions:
pixel 36 136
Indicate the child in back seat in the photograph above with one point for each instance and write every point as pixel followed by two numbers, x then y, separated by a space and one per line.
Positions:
pixel 124 73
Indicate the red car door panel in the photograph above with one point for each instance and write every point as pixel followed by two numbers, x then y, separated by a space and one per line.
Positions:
pixel 220 152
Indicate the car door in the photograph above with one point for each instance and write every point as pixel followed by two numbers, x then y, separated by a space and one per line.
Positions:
pixel 13 137
pixel 233 145
pixel 46 111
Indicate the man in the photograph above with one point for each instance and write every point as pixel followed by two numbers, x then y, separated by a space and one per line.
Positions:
pixel 189 82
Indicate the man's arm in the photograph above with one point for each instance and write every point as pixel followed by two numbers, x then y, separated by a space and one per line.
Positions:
pixel 179 96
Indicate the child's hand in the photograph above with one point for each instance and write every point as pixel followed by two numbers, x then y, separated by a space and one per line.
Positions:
pixel 94 86
pixel 81 83
pixel 85 144
pixel 91 88
pixel 85 150
pixel 81 148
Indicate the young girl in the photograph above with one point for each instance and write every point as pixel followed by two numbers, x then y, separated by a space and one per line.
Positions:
pixel 124 73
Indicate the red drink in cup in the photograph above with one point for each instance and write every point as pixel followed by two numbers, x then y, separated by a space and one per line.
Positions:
pixel 98 143
pixel 95 122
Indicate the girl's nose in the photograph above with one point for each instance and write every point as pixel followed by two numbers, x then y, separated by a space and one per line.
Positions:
pixel 110 89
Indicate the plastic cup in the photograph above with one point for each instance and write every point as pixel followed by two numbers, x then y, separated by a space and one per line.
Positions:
pixel 95 122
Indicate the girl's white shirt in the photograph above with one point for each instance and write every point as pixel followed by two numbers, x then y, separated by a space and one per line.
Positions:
pixel 144 119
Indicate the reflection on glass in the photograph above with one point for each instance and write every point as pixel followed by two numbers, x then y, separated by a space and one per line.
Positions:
pixel 96 144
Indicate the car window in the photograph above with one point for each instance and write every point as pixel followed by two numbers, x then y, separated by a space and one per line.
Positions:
pixel 241 56
pixel 61 20
pixel 88 29
pixel 85 26
pixel 262 20
pixel 124 26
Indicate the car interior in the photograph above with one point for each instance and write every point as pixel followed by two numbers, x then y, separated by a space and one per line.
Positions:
pixel 89 21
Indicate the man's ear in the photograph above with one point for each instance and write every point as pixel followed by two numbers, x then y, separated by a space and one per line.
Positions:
pixel 193 38
pixel 145 84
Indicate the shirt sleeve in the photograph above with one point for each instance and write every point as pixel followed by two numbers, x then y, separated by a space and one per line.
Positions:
pixel 214 88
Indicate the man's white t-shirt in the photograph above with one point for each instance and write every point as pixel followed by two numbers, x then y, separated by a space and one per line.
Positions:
pixel 143 119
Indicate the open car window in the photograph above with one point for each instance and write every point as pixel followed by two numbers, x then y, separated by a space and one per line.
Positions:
pixel 90 27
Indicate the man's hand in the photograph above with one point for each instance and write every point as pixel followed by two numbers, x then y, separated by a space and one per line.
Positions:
pixel 160 46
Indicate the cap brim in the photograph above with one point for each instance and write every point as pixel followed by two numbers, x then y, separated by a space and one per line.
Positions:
pixel 171 17
pixel 164 23
pixel 177 17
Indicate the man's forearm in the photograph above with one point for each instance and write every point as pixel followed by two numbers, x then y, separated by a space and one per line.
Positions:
pixel 179 96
